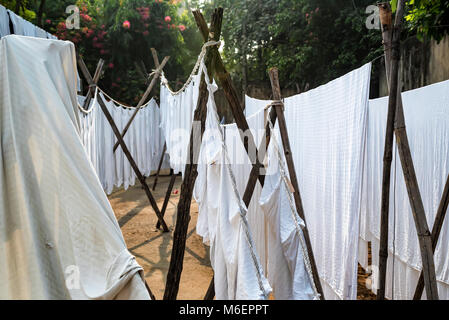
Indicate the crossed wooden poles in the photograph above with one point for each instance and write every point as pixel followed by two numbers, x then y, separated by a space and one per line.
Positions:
pixel 92 84
pixel 396 126
pixel 215 67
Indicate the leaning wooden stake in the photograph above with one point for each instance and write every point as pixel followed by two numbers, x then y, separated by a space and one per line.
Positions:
pixel 159 166
pixel 108 116
pixel 436 230
pixel 156 76
pixel 274 78
pixel 190 173
pixel 167 196
pixel 224 78
pixel 387 31
pixel 424 236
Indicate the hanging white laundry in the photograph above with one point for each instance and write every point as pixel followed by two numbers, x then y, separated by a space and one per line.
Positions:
pixel 222 223
pixel 143 139
pixel 426 115
pixel 176 120
pixel 286 268
pixel 327 128
pixel 40 33
pixel 253 105
pixel 4 22
pixel 17 23
pixel 56 221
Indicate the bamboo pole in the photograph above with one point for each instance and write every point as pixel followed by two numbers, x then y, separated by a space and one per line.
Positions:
pixel 190 172
pixel 387 31
pixel 436 230
pixel 167 196
pixel 274 78
pixel 424 236
pixel 159 166
pixel 224 78
pixel 156 76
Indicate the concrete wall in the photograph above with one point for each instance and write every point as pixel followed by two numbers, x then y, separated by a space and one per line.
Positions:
pixel 422 63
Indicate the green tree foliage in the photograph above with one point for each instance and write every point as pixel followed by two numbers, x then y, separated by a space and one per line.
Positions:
pixel 310 41
pixel 428 18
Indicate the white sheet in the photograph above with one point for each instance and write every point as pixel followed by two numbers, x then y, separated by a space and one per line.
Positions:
pixel 144 139
pixel 327 128
pixel 55 219
pixel 4 22
pixel 286 269
pixel 176 121
pixel 17 23
pixel 220 222
pixel 253 105
pixel 427 116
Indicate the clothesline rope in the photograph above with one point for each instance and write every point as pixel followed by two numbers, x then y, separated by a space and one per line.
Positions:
pixel 116 103
pixel 194 72
pixel 296 218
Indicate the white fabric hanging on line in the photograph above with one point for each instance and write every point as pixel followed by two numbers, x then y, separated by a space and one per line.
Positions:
pixel 238 273
pixel 426 112
pixel 286 268
pixel 327 128
pixel 253 105
pixel 4 22
pixel 17 23
pixel 60 238
pixel 144 140
pixel 176 120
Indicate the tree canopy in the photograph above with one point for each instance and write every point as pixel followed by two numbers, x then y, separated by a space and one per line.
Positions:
pixel 310 41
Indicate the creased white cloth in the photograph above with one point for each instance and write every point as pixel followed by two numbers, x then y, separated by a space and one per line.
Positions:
pixel 144 139
pixel 327 128
pixel 4 22
pixel 59 236
pixel 176 121
pixel 18 23
pixel 220 222
pixel 253 105
pixel 286 269
pixel 426 112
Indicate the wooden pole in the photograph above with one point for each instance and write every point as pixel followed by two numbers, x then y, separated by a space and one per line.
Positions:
pixel 387 31
pixel 159 166
pixel 108 116
pixel 167 196
pixel 274 78
pixel 95 80
pixel 436 230
pixel 133 163
pixel 424 235
pixel 224 78
pixel 190 172
pixel 156 76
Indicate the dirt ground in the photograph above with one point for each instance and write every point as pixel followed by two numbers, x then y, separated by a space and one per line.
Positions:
pixel 152 247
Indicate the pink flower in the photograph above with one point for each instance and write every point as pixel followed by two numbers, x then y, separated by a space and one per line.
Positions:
pixel 87 17
pixel 167 19
pixel 102 52
pixel 110 65
pixel 181 27
pixel 48 21
pixel 126 24
pixel 317 9
pixel 145 33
